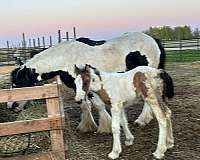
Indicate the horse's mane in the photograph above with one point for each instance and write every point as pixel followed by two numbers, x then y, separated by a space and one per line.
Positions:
pixel 90 42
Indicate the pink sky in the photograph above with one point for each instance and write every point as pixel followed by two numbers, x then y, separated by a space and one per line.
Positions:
pixel 98 19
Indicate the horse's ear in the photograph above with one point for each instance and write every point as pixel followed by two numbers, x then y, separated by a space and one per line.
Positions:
pixel 76 69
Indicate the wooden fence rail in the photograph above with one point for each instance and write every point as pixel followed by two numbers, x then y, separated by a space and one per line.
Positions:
pixel 53 123
pixel 182 44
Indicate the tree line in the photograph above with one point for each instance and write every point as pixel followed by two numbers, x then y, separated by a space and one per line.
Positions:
pixel 176 33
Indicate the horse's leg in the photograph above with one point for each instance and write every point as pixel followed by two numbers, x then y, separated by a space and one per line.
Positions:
pixel 116 116
pixel 87 123
pixel 160 115
pixel 170 137
pixel 104 117
pixel 146 116
pixel 127 132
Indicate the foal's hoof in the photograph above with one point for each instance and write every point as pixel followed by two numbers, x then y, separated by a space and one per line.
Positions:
pixel 139 123
pixel 169 146
pixel 158 155
pixel 113 155
pixel 129 142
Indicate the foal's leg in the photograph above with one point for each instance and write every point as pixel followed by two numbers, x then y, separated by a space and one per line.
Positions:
pixel 146 116
pixel 152 100
pixel 87 123
pixel 116 116
pixel 170 137
pixel 127 132
pixel 104 117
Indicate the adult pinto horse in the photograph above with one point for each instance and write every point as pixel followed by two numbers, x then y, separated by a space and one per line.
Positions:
pixel 118 54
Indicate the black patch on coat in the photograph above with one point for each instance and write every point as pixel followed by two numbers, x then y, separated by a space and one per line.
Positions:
pixel 66 78
pixel 168 86
pixel 162 54
pixel 90 42
pixel 90 95
pixel 135 59
pixel 14 106
pixel 23 77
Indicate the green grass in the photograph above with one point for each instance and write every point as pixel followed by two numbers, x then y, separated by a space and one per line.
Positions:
pixel 183 56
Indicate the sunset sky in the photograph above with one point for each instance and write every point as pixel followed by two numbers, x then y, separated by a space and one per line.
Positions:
pixel 97 19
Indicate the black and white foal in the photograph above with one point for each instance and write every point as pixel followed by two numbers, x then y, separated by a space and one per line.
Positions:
pixel 117 89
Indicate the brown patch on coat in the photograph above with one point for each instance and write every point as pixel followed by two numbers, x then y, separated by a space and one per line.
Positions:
pixel 139 83
pixel 86 80
pixel 104 96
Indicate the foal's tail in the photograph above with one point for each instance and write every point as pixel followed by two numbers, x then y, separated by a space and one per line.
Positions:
pixel 168 86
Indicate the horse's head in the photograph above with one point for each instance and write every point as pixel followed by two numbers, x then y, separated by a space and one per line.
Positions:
pixel 88 79
pixel 22 77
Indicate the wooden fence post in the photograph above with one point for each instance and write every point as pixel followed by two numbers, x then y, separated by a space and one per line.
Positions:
pixel 198 43
pixel 43 41
pixel 34 43
pixel 8 47
pixel 30 43
pixel 57 139
pixel 74 30
pixel 59 36
pixel 67 36
pixel 23 41
pixel 24 47
pixel 180 44
pixel 50 41
pixel 180 48
pixel 38 39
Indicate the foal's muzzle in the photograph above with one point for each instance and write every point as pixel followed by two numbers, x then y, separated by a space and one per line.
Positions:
pixel 79 102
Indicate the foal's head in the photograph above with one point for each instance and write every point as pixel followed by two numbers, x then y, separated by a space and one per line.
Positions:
pixel 88 79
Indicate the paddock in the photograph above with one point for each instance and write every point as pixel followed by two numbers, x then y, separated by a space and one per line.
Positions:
pixel 185 121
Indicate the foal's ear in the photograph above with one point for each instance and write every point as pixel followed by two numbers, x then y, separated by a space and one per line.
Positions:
pixel 76 69
pixel 87 67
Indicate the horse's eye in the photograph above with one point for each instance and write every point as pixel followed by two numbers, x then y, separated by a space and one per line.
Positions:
pixel 93 80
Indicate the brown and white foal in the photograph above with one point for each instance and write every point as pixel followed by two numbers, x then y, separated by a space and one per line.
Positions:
pixel 118 89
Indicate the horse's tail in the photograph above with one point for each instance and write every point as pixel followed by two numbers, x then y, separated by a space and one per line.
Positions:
pixel 162 54
pixel 168 86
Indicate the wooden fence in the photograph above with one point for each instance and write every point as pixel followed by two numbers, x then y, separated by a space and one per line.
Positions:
pixel 54 123
pixel 182 44
pixel 7 55
pixel 24 48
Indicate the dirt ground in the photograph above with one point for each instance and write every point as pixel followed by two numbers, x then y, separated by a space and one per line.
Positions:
pixel 185 119
pixel 6 69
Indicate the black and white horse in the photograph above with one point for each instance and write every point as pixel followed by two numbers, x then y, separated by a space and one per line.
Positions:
pixel 118 54
pixel 118 89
